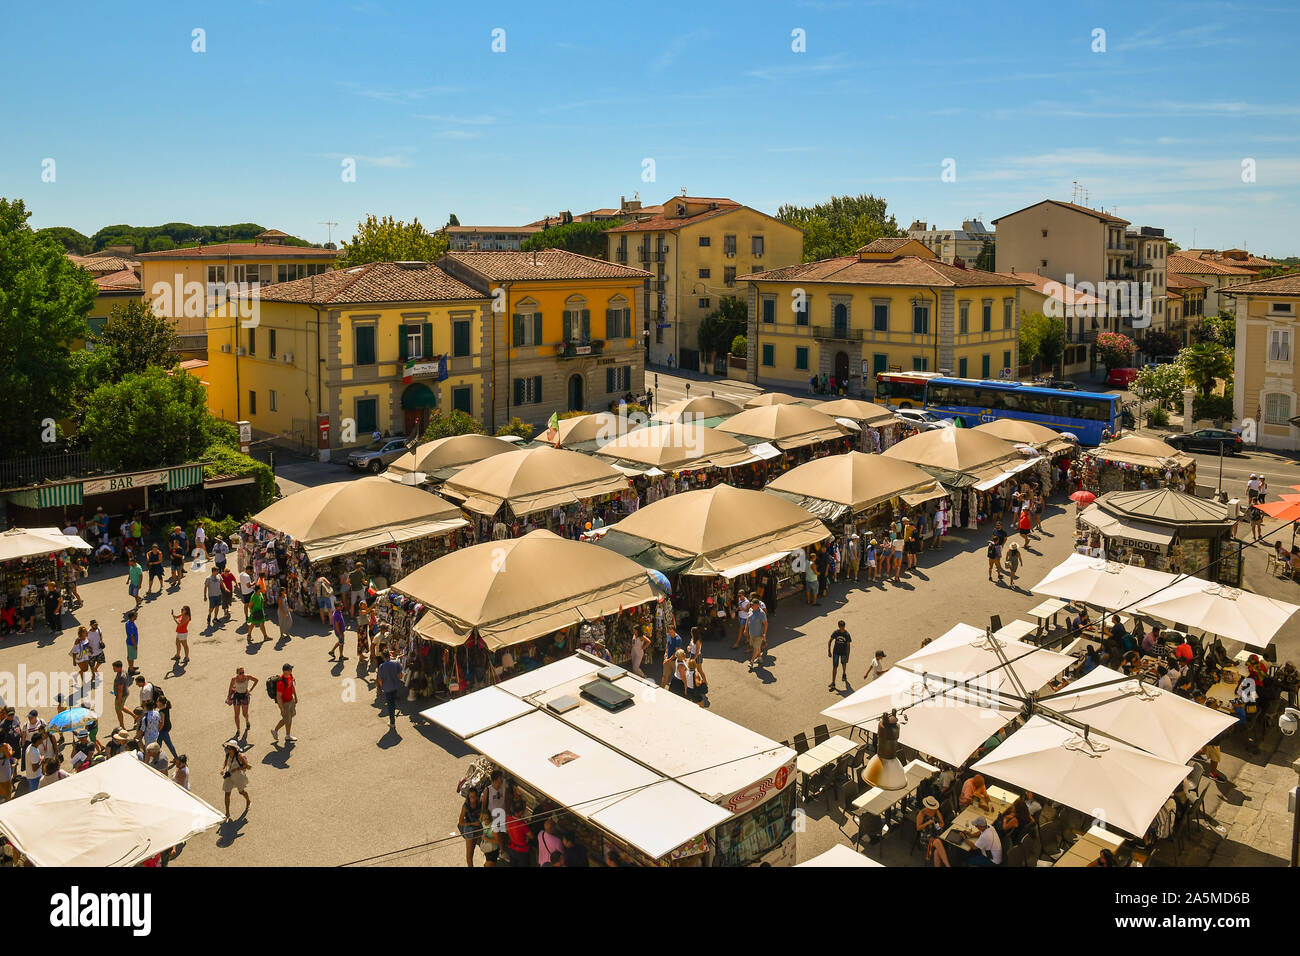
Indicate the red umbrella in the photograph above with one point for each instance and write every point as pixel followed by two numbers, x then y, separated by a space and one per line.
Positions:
pixel 1082 498
pixel 1282 510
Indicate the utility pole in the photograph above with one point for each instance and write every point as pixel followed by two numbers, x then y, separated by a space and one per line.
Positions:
pixel 329 231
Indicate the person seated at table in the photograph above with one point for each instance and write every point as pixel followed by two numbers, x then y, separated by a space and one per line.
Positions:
pixel 1131 663
pixel 1118 632
pixel 1184 686
pixel 1152 640
pixel 1090 660
pixel 987 843
pixel 1289 681
pixel 1256 668
pixel 929 824
pixel 1105 858
pixel 1033 805
pixel 1163 680
pixel 1082 621
pixel 1184 650
pixel 974 790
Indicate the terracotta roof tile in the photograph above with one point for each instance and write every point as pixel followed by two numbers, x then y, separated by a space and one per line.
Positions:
pixel 544 264
pixel 885 245
pixel 1095 213
pixel 1177 280
pixel 906 271
pixel 242 250
pixel 1197 267
pixel 1288 284
pixel 663 222
pixel 372 283
pixel 100 265
pixel 124 279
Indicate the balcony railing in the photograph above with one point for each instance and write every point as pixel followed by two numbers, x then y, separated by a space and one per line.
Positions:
pixel 837 333
pixel 620 255
pixel 579 349
pixel 54 466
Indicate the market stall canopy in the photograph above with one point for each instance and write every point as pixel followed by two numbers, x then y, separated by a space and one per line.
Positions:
pixel 840 855
pixel 591 431
pixel 1141 451
pixel 444 456
pixel 345 517
pixel 717 529
pixel 1141 714
pixel 786 426
pixel 1029 433
pixel 1113 527
pixel 959 456
pixel 532 479
pixel 871 414
pixel 1218 609
pixel 1124 786
pixel 18 543
pixel 676 447
pixel 772 398
pixel 117 813
pixel 696 409
pixel 519 589
pixel 836 485
pixel 1102 583
pixel 1165 506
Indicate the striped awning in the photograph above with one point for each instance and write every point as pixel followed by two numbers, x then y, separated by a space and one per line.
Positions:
pixel 48 496
pixel 183 476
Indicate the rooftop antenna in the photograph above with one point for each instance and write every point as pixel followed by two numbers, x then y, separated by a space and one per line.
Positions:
pixel 329 232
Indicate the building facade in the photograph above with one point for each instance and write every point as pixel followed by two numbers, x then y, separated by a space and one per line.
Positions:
pixel 563 334
pixel 488 238
pixel 1264 380
pixel 694 250
pixel 1217 276
pixel 892 306
pixel 950 245
pixel 1191 309
pixel 1084 316
pixel 380 347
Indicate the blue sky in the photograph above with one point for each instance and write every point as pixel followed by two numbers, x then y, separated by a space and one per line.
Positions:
pixel 144 130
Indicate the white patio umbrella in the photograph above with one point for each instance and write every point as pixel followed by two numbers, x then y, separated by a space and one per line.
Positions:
pixel 1101 583
pixel 1238 615
pixel 946 722
pixel 840 855
pixel 1120 785
pixel 1141 714
pixel 968 650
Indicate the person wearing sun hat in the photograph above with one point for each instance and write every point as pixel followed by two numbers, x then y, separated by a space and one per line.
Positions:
pixel 929 826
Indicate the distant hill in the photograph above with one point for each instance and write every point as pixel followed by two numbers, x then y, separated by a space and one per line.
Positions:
pixel 171 235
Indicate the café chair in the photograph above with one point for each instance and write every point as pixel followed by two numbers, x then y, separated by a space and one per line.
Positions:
pixel 1049 835
pixel 821 734
pixel 1015 856
pixel 801 743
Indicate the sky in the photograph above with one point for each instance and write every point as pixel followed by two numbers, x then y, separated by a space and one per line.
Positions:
pixel 1181 115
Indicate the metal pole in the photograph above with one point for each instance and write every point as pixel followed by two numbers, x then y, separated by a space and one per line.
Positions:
pixel 1219 490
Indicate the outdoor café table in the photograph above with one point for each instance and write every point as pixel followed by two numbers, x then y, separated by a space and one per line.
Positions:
pixel 824 754
pixel 878 802
pixel 966 818
pixel 1089 846
pixel 1048 609
pixel 1014 631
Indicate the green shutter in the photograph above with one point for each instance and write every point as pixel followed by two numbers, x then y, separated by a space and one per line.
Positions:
pixel 401 343
pixel 611 324
pixel 427 337
pixel 609 380
pixel 586 325
pixel 537 388
pixel 537 328
pixel 568 326
pixel 519 330
pixel 519 391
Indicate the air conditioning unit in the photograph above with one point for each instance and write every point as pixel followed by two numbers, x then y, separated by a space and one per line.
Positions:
pixel 226 348
pixel 240 350
pixel 287 358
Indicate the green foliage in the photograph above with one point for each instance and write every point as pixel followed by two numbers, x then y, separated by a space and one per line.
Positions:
pixel 1157 417
pixel 455 422
pixel 1161 343
pixel 452 220
pixel 1219 329
pixel 147 419
pixel 516 427
pixel 632 408
pixel 584 238
pixel 1163 384
pixel 221 460
pixel 212 527
pixel 1115 350
pixel 391 240
pixel 172 235
pixel 720 327
pixel 44 300
pixel 565 416
pixel 740 346
pixel 987 258
pixel 1205 363
pixel 1216 407
pixel 161 244
pixel 71 240
pixel 133 339
pixel 1042 339
pixel 840 225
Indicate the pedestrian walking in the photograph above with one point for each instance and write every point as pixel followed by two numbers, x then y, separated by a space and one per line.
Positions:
pixel 994 553
pixel 286 614
pixel 673 644
pixel 854 548
pixel 80 655
pixel 201 540
pixel 120 687
pixel 134 577
pixel 470 823
pixel 28 597
pixel 757 634
pixel 324 598
pixel 356 587
pixel 837 649
pixel 132 643
pixel 364 623
pixel 286 698
pixel 177 550
pixel 53 605
pixel 811 583
pixel 246 594
pixel 876 668
pixel 1014 559
pixel 1025 524
pixel 257 612
pixel 234 776
pixel 640 644
pixel 214 590
pixel 95 640
pixel 182 633
pixel 154 559
pixel 238 695
pixel 164 707
pixel 339 624
pixel 742 616
pixel 389 678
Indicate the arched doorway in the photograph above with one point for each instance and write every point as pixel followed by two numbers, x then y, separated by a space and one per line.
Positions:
pixel 418 403
pixel 577 397
pixel 842 369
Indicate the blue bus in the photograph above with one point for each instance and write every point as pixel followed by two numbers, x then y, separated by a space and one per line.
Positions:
pixel 1083 414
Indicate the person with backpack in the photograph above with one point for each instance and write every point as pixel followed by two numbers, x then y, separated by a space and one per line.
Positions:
pixel 234 776
pixel 284 691
pixel 994 552
pixel 837 649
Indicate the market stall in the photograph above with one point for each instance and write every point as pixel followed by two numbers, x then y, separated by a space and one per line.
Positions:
pixel 589 432
pixel 764 399
pixel 1058 449
pixel 438 460
pixel 391 529
pixel 974 464
pixel 1136 463
pixel 714 541
pixel 541 487
pixel 1163 529
pixel 35 556
pixel 879 427
pixel 501 607
pixel 697 411
pixel 657 781
pixel 675 447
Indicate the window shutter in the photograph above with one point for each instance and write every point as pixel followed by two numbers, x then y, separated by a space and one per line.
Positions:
pixel 519 391
pixel 609 380
pixel 427 338
pixel 586 325
pixel 537 388
pixel 568 326
pixel 401 343
pixel 537 328
pixel 611 323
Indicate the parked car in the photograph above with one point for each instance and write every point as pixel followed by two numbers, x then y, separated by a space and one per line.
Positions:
pixel 922 420
pixel 1208 439
pixel 1060 383
pixel 1121 377
pixel 377 456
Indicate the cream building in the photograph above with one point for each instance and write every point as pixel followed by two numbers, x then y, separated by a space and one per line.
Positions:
pixel 1217 276
pixel 1264 379
pixel 951 245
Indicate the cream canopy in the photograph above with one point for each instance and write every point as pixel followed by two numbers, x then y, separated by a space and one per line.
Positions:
pixel 532 479
pixel 1138 450
pixel 1218 609
pixel 520 589
pixel 676 447
pixel 695 409
pixel 596 428
pixel 853 481
pixel 960 456
pixel 1028 433
pixel 772 398
pixel 786 426
pixel 19 543
pixel 456 451
pixel 720 528
pixel 857 410
pixel 344 517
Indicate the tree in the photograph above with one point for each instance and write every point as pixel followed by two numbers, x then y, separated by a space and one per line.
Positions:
pixel 161 243
pixel 1041 338
pixel 44 300
pixel 71 240
pixel 723 324
pixel 134 339
pixel 1220 329
pixel 1115 350
pixel 1164 384
pixel 1051 348
pixel 987 258
pixel 452 220
pixel 148 419
pixel 391 240
pixel 584 238
pixel 455 422
pixel 740 346
pixel 840 225
pixel 1161 343
pixel 1205 363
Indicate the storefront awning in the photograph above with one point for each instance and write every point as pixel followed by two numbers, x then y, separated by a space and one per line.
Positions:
pixel 48 496
pixel 1112 527
pixel 417 396
pixel 916 498
pixel 754 565
pixel 1003 472
pixel 184 476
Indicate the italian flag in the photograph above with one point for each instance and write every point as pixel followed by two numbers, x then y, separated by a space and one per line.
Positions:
pixel 553 428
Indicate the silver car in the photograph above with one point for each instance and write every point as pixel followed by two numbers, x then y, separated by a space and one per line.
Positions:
pixel 917 418
pixel 377 456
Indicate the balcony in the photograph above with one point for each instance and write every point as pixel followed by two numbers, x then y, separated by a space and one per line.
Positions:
pixel 837 333
pixel 643 254
pixel 620 255
pixel 579 349
pixel 660 254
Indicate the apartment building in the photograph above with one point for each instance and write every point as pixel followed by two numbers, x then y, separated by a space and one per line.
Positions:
pixel 892 305
pixel 950 245
pixel 1264 376
pixel 1217 277
pixel 626 209
pixel 1191 304
pixel 1239 258
pixel 117 280
pixel 694 249
pixel 1083 313
pixel 488 238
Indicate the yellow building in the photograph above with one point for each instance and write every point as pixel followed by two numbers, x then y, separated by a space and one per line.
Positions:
pixel 1264 378
pixel 695 249
pixel 181 283
pixel 890 306
pixel 117 281
pixel 563 336
pixel 1191 310
pixel 350 352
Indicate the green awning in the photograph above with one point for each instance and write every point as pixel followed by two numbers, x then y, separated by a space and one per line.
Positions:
pixel 418 395
pixel 642 552
pixel 48 496
pixel 184 476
